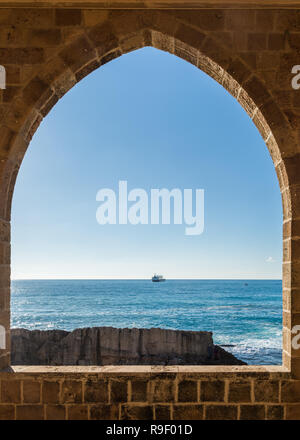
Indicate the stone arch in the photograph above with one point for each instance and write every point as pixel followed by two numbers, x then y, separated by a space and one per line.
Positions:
pixel 116 33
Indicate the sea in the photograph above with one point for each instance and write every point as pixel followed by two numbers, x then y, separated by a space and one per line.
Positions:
pixel 245 316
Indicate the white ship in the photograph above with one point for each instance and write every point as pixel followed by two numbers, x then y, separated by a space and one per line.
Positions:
pixel 157 278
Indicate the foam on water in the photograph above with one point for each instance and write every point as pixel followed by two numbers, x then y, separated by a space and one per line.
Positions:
pixel 247 316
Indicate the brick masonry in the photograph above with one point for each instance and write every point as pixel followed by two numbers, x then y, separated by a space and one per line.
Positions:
pixel 152 393
pixel 250 52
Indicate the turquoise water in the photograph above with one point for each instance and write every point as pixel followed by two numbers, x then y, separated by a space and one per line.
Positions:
pixel 244 313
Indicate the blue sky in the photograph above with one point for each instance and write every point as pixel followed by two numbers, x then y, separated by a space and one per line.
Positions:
pixel 158 122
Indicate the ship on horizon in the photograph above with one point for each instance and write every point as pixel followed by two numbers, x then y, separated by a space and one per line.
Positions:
pixel 158 278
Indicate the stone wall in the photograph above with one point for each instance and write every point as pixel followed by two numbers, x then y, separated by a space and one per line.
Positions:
pixel 114 346
pixel 126 393
pixel 250 52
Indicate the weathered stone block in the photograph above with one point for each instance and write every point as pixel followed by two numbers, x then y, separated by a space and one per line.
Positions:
pixel 221 412
pixel 55 412
pixel 30 412
pixel 212 391
pixel 118 391
pixel 31 391
pixel 10 391
pixel 162 412
pixel 275 412
pixel 96 391
pixel 68 17
pixel 252 412
pixel 71 391
pixel 139 390
pixel 136 412
pixel 187 391
pixel 50 392
pixel 104 412
pixel 77 412
pixel 187 412
pixel 239 392
pixel 7 412
pixel 162 391
pixel 266 391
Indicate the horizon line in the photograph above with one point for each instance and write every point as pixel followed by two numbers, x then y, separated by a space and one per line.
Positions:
pixel 145 279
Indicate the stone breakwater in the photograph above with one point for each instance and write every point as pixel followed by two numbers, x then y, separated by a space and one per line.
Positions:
pixel 114 346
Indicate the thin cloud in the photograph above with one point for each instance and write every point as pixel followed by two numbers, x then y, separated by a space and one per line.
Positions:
pixel 270 260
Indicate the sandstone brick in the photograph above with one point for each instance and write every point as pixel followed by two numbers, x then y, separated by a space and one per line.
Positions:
pixel 30 17
pixel 293 412
pixel 71 391
pixel 240 41
pixel 77 412
pixel 110 56
pixel 238 71
pixel 125 22
pixel 221 412
pixel 208 20
pixel 287 20
pixel 162 412
pixel 10 391
pixel 96 391
pixel 240 19
pixel 30 412
pixel 187 412
pixel 165 43
pixel 31 391
pixel 19 56
pixel 264 20
pixel 95 17
pixel 162 391
pixel 104 38
pixel 266 391
pixel 292 228
pixel 252 412
pixel 246 102
pixel 45 109
pixel 187 391
pixel 55 412
pixel 7 412
pixel 292 168
pixel 118 391
pixel 4 360
pixel 139 390
pixel 87 69
pixel 68 17
pixel 104 412
pixel 216 52
pixel 294 297
pixel 275 412
pixel 256 90
pixel 212 391
pixel 44 37
pixel 7 136
pixel 190 36
pixel 239 392
pixel 230 85
pixel 212 69
pixel 136 412
pixel 294 365
pixel 50 392
pixel 290 391
pixel 78 54
pixel 34 91
pixel 185 52
pixel 10 92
